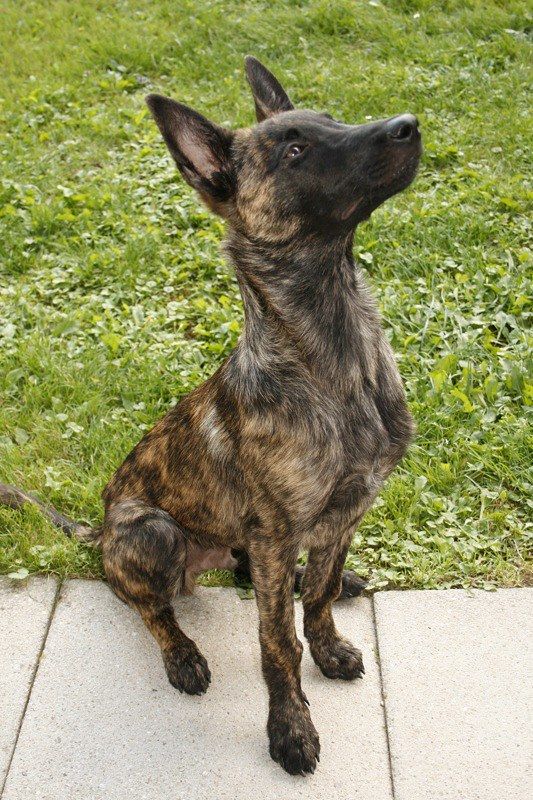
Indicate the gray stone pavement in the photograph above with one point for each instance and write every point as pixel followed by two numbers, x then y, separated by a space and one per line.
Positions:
pixel 25 612
pixel 92 716
pixel 458 685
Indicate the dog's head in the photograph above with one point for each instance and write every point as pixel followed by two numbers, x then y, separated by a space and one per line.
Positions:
pixel 295 172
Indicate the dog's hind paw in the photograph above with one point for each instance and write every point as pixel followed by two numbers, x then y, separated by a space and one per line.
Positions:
pixel 352 584
pixel 187 670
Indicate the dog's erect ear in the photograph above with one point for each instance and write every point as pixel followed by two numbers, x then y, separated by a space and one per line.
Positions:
pixel 201 149
pixel 269 95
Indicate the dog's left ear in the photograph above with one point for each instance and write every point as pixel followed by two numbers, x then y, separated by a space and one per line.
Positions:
pixel 269 95
pixel 200 148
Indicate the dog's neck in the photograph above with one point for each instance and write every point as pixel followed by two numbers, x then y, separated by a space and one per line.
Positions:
pixel 305 304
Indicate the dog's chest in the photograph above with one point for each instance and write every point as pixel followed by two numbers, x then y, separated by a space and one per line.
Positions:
pixel 327 464
pixel 364 460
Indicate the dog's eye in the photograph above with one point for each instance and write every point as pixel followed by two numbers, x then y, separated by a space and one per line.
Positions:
pixel 294 150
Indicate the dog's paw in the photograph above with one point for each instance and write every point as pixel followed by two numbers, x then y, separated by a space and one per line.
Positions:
pixel 352 584
pixel 338 658
pixel 187 670
pixel 293 738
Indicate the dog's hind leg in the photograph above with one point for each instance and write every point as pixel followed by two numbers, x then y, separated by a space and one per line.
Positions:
pixel 144 553
pixel 351 584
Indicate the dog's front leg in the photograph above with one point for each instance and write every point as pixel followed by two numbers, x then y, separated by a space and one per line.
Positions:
pixel 293 739
pixel 336 656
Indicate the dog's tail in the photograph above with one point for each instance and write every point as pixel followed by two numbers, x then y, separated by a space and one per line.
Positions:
pixel 15 498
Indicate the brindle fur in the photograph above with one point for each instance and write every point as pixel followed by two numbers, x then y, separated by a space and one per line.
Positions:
pixel 285 447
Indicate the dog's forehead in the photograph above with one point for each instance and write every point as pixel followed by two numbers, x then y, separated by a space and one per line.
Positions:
pixel 300 120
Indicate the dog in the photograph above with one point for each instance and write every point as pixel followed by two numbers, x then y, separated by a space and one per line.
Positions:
pixel 286 446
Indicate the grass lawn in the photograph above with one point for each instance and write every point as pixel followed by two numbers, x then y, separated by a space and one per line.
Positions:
pixel 115 300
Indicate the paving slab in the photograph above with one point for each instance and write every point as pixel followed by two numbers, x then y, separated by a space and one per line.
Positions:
pixel 458 677
pixel 103 721
pixel 24 615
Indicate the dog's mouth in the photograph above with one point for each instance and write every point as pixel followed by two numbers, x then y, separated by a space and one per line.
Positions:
pixel 402 175
pixel 383 186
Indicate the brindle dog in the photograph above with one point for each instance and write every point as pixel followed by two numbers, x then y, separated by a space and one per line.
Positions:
pixel 285 447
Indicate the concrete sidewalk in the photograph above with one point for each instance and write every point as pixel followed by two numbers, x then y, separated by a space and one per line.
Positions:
pixel 444 710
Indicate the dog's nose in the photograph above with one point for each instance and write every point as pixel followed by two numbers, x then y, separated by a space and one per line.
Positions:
pixel 402 128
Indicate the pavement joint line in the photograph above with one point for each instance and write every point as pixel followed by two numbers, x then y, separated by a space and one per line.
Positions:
pixel 32 681
pixel 383 700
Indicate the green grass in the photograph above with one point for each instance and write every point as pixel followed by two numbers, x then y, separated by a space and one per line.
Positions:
pixel 115 300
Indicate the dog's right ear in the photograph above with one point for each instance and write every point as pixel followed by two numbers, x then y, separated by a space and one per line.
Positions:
pixel 201 149
pixel 269 95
